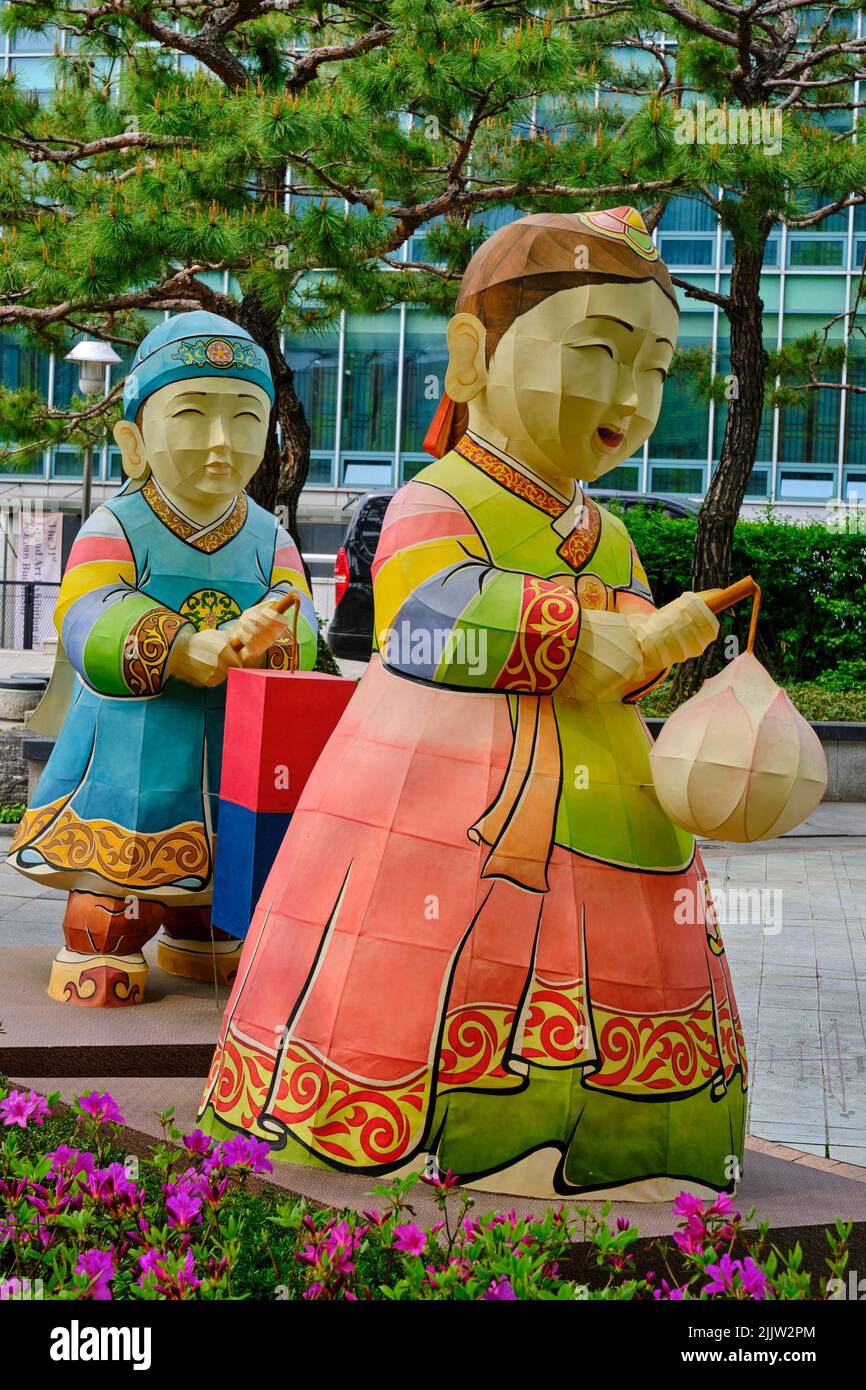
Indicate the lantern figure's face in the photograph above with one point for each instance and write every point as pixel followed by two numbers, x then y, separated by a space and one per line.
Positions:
pixel 574 386
pixel 205 438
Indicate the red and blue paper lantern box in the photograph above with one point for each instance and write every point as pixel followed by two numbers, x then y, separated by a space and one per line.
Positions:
pixel 276 725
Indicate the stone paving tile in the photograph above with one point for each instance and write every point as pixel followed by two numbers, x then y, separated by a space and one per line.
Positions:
pixel 846 1153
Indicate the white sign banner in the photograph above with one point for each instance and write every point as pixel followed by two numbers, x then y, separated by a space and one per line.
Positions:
pixel 40 536
pixel 39 546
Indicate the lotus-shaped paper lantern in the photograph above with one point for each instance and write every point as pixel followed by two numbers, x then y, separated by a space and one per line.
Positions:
pixel 737 761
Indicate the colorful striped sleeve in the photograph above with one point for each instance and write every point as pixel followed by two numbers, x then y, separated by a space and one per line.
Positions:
pixel 445 614
pixel 287 573
pixel 117 638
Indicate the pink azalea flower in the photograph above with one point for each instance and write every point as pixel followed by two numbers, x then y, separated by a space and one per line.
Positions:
pixel 754 1279
pixel 500 1291
pixel 191 1183
pixel 722 1275
pixel 20 1107
pixel 68 1161
pixel 112 1186
pixel 723 1206
pixel 687 1205
pixel 409 1239
pixel 243 1151
pixel 197 1142
pixel 98 1267
pixel 445 1181
pixel 691 1240
pixel 666 1293
pixel 156 1263
pixel 183 1210
pixel 100 1106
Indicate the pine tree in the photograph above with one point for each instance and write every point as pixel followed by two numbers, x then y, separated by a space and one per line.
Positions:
pixel 779 77
pixel 276 176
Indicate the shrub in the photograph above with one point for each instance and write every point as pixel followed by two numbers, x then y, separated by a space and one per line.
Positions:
pixel 83 1220
pixel 813 581
pixel 815 701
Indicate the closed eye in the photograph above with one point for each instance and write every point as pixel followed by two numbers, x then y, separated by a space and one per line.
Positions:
pixel 250 414
pixel 187 410
pixel 662 371
pixel 605 347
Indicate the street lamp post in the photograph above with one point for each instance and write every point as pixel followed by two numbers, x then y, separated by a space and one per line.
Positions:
pixel 92 359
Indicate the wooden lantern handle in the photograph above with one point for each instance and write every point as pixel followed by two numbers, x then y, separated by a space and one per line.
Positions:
pixel 280 604
pixel 717 600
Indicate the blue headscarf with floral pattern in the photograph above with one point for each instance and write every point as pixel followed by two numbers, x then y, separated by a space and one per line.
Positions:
pixel 189 346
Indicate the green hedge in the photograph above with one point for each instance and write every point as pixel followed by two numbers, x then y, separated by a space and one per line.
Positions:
pixel 813 608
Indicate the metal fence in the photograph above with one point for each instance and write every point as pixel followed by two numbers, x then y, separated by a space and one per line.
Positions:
pixel 27 613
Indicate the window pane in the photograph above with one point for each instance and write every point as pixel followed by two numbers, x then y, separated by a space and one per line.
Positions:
pixel 813 251
pixel 313 359
pixel 26 41
pixel 34 74
pixel 676 479
pixel 370 382
pixel 809 433
pixel 424 376
pixel 687 215
pixel 796 485
pixel 681 432
pixel 22 367
pixel 687 251
pixel 67 463
pixel 855 409
pixel 626 478
pixel 366 472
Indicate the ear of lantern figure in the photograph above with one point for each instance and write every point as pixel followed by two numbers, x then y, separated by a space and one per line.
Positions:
pixel 738 761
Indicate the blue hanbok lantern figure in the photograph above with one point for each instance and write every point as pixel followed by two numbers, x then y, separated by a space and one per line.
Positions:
pixel 159 581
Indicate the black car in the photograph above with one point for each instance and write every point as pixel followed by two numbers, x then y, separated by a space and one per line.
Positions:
pixel 350 632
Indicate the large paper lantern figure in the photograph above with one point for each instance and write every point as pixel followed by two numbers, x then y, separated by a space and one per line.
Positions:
pixel 737 761
pixel 168 586
pixel 470 950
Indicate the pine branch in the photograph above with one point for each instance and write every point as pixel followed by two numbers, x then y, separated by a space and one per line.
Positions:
pixel 698 292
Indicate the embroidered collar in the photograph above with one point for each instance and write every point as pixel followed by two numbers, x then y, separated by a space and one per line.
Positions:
pixel 207 538
pixel 580 542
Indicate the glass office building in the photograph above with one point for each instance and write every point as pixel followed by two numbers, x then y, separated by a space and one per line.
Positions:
pixel 370 384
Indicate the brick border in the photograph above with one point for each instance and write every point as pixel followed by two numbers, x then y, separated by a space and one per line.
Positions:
pixel 825 1165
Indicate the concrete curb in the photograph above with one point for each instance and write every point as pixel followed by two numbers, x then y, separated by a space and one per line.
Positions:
pixel 825 1165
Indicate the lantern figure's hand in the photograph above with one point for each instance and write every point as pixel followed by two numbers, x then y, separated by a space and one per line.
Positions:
pixel 202 658
pixel 607 659
pixel 258 628
pixel 678 631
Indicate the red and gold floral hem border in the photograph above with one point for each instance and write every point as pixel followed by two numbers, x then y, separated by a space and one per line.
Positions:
pixel 361 1123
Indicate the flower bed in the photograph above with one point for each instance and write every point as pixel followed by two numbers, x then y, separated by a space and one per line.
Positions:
pixel 82 1218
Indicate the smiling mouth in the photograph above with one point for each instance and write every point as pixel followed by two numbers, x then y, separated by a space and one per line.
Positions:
pixel 218 467
pixel 609 438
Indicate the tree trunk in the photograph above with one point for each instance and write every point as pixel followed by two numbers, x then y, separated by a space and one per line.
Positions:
pixel 711 566
pixel 283 473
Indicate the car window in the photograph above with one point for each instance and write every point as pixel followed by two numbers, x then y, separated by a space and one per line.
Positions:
pixel 369 523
